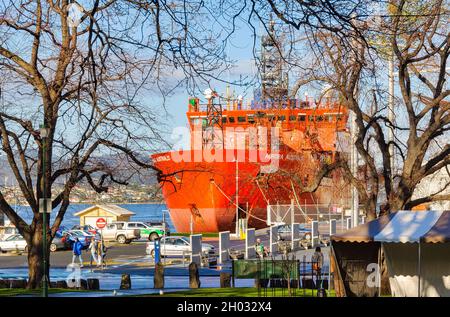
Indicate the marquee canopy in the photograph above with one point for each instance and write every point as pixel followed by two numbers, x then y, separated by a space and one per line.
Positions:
pixel 402 226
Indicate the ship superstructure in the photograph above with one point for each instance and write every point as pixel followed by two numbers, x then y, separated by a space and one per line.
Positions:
pixel 246 154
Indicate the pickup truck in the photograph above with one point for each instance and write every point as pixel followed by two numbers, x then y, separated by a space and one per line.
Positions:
pixel 147 231
pixel 119 231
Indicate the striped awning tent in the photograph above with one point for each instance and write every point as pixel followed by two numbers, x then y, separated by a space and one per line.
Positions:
pixel 402 226
pixel 416 248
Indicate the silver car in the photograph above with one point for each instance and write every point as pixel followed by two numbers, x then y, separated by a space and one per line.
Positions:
pixel 178 246
pixel 14 243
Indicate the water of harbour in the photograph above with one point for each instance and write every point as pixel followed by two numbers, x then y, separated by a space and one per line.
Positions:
pixel 143 212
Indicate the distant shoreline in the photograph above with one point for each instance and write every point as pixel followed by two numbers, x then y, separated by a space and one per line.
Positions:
pixel 110 203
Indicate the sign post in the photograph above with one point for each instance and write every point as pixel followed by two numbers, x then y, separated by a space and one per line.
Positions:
pixel 101 223
pixel 45 207
pixel 157 251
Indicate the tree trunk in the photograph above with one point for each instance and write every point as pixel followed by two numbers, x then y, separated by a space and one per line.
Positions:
pixel 35 260
pixel 370 209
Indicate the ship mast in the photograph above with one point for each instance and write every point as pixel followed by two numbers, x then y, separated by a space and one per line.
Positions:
pixel 273 81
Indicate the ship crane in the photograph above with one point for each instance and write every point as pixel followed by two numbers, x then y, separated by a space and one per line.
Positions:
pixel 212 125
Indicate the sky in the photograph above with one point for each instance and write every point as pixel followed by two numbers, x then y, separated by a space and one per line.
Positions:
pixel 240 49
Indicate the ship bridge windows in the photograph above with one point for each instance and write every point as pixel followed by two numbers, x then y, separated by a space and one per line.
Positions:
pixel 231 119
pixel 292 118
pixel 241 119
pixel 281 118
pixel 224 119
pixel 302 118
pixel 250 118
pixel 328 118
pixel 270 117
pixel 339 117
pixel 319 118
pixel 311 118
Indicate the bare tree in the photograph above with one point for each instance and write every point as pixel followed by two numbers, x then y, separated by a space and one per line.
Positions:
pixel 344 45
pixel 418 34
pixel 93 85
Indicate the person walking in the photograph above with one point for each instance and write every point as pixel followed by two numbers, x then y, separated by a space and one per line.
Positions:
pixel 101 252
pixel 317 264
pixel 259 248
pixel 77 247
pixel 93 247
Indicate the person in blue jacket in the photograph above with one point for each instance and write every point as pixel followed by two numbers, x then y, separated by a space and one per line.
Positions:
pixel 77 247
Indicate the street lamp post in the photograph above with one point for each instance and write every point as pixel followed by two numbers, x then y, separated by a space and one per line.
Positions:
pixel 44 131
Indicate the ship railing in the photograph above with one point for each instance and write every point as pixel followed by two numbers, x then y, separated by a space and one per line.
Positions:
pixel 287 104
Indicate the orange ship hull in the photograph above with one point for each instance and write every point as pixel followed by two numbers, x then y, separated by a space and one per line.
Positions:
pixel 204 193
pixel 280 149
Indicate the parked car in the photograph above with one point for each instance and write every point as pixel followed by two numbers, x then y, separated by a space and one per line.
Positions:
pixel 159 225
pixel 14 243
pixel 119 231
pixel 61 242
pixel 84 237
pixel 8 232
pixel 284 233
pixel 87 228
pixel 179 246
pixel 147 231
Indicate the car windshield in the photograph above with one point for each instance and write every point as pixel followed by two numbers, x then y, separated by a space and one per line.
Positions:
pixel 14 237
pixel 284 228
pixel 185 240
pixel 168 241
pixel 155 224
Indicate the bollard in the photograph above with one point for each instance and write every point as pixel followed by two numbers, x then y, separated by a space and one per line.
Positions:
pixel 314 233
pixel 273 238
pixel 17 283
pixel 225 280
pixel 332 227
pixel 224 245
pixel 82 285
pixel 4 283
pixel 349 223
pixel 194 276
pixel 61 284
pixel 125 282
pixel 250 236
pixel 158 277
pixel 94 283
pixel 295 236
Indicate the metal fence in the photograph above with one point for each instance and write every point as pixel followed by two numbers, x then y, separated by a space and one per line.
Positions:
pixel 305 214
pixel 286 277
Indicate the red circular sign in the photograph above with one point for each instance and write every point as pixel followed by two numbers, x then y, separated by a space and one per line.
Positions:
pixel 100 223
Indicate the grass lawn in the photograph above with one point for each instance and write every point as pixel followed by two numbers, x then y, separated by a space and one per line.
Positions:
pixel 238 292
pixel 5 292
